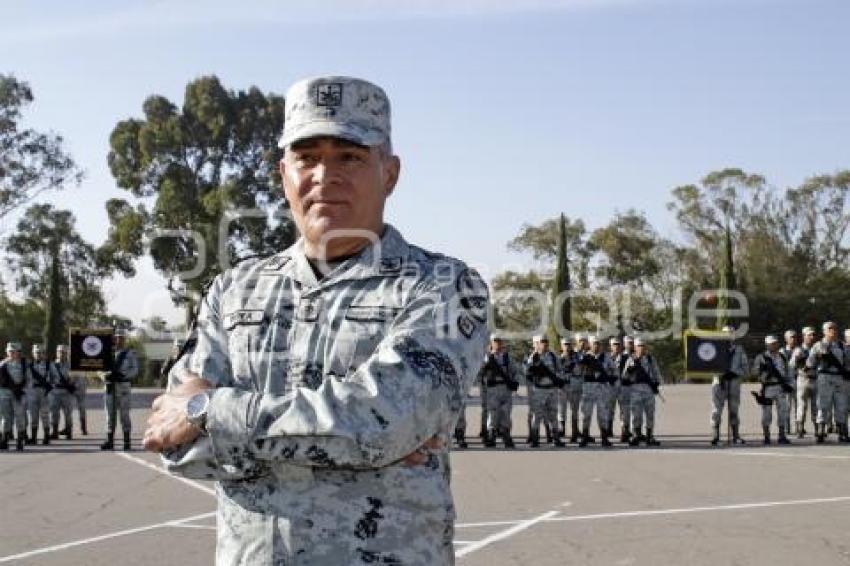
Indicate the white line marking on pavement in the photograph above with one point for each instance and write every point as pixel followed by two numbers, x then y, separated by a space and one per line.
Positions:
pixel 733 507
pixel 501 535
pixel 154 467
pixel 184 526
pixel 739 452
pixel 108 536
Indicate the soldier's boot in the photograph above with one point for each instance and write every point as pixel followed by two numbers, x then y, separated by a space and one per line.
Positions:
pixel 782 438
pixel 32 438
pixel 548 432
pixel 820 434
pixel 509 441
pixel 22 438
pixel 535 439
pixel 575 434
pixel 801 431
pixel 126 439
pixel 490 439
pixel 636 439
pixel 830 429
pixel 54 435
pixel 842 433
pixel 4 444
pixel 109 444
pixel 605 434
pixel 67 433
pixel 46 440
pixel 482 434
pixel 558 441
pixel 83 427
pixel 625 435
pixel 736 435
pixel 715 438
pixel 766 431
pixel 650 438
pixel 585 437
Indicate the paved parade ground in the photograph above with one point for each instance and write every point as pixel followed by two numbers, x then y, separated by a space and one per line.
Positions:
pixel 684 503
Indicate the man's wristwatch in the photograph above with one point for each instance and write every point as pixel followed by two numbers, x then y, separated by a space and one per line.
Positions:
pixel 196 410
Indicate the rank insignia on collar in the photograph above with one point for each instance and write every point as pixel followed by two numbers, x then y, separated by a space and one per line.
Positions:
pixel 390 265
pixel 276 263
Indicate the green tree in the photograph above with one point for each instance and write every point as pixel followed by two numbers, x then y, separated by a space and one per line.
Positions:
pixel 31 162
pixel 193 165
pixel 54 325
pixel 627 245
pixel 561 285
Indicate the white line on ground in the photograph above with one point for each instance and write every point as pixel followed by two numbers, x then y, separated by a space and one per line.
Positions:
pixel 739 452
pixel 733 507
pixel 184 526
pixel 651 512
pixel 154 467
pixel 80 542
pixel 501 535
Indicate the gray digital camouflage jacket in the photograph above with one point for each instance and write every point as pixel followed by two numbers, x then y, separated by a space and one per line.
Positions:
pixel 323 387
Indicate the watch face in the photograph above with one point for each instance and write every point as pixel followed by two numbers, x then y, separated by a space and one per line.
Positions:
pixel 197 405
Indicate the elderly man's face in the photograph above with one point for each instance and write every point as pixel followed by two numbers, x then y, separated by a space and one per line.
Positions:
pixel 332 184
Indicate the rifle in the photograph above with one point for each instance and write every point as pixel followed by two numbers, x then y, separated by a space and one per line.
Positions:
pixel 64 382
pixel 833 361
pixel 39 379
pixel 539 369
pixel 641 376
pixel 492 367
pixel 592 362
pixel 7 382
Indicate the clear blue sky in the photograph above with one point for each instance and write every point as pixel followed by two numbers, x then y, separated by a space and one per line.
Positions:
pixel 505 112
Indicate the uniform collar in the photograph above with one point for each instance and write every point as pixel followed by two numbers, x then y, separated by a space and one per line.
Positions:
pixel 383 258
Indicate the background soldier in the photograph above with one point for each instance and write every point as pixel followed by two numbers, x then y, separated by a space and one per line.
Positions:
pixel 806 382
pixel 621 394
pixel 570 394
pixel 37 392
pixel 787 350
pixel 645 376
pixel 62 393
pixel 599 375
pixel 116 396
pixel 828 357
pixel 544 374
pixel 13 382
pixel 81 385
pixel 726 390
pixel 772 370
pixel 499 375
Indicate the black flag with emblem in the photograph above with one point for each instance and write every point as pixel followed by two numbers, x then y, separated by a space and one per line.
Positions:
pixel 707 353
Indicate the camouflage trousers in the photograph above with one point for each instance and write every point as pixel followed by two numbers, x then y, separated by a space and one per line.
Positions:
pixel 831 402
pixel 117 404
pixel 597 395
pixel 807 395
pixel 845 392
pixel 499 405
pixel 12 411
pixel 37 407
pixel 543 406
pixel 643 406
pixel 460 425
pixel 80 397
pixel 620 395
pixel 484 406
pixel 721 393
pixel 61 399
pixel 780 399
pixel 569 401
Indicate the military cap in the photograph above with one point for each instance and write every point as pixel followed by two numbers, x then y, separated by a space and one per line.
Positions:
pixel 580 337
pixel 61 348
pixel 13 347
pixel 639 342
pixel 614 340
pixel 592 339
pixel 628 339
pixel 790 333
pixel 770 339
pixel 341 107
pixel 36 348
pixel 829 324
pixel 808 330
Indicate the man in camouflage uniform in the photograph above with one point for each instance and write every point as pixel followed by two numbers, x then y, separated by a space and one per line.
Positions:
pixel 726 390
pixel 501 377
pixel 62 392
pixel 806 382
pixel 338 366
pixel 117 393
pixel 831 361
pixel 641 370
pixel 621 392
pixel 37 392
pixel 543 372
pixel 14 374
pixel 787 351
pixel 570 394
pixel 774 375
pixel 80 392
pixel 599 376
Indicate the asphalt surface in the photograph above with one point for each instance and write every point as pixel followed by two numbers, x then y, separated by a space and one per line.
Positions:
pixel 682 503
